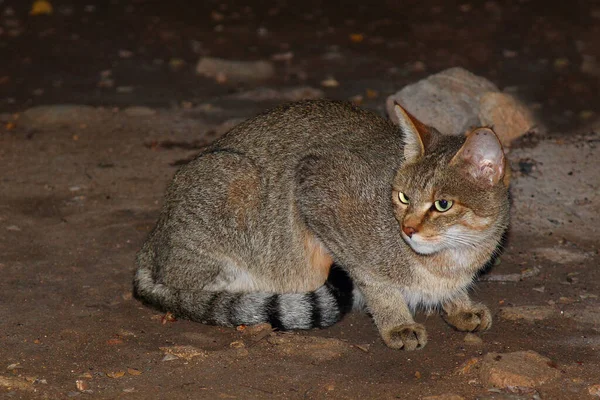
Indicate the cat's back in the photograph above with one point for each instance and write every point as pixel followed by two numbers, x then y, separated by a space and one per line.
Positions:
pixel 294 129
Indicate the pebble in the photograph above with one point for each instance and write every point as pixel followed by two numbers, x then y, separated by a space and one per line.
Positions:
pixel 472 339
pixel 527 313
pixel 237 71
pixel 594 390
pixel 522 369
pixel 330 82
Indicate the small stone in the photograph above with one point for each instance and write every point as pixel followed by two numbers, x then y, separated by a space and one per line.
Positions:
pixel 330 82
pixel 82 385
pixel 473 340
pixel 139 111
pixel 522 368
pixel 527 313
pixel 239 71
pixel 594 390
pixel 508 117
pixel 169 357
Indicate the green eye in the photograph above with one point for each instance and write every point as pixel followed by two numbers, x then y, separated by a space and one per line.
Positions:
pixel 402 197
pixel 443 205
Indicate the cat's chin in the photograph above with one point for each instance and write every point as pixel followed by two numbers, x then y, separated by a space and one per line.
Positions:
pixel 421 247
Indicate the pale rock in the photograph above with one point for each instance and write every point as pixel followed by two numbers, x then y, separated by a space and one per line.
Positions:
pixel 448 101
pixel 455 101
pixel 522 369
pixel 506 115
pixel 527 313
pixel 235 71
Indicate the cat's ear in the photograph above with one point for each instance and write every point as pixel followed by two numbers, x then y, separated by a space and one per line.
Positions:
pixel 416 134
pixel 482 157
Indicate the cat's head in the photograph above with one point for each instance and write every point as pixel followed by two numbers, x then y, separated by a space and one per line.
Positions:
pixel 451 192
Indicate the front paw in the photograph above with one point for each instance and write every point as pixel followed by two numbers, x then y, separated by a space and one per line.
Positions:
pixel 475 318
pixel 405 337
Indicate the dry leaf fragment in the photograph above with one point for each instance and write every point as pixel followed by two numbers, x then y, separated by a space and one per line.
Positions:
pixel 357 37
pixel 134 372
pixel 41 7
pixel 116 374
pixel 82 385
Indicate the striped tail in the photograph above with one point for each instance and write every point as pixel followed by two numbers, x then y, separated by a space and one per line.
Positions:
pixel 321 308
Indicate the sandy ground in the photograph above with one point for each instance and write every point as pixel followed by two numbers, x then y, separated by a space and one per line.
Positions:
pixel 81 186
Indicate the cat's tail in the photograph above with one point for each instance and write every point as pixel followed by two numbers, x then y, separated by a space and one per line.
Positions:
pixel 321 308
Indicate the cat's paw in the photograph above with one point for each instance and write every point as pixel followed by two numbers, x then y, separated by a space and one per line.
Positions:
pixel 475 318
pixel 405 337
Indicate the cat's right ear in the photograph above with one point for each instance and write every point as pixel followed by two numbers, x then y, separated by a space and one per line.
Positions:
pixel 415 134
pixel 482 157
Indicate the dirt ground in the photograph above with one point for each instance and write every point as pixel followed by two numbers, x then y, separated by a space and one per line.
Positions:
pixel 81 186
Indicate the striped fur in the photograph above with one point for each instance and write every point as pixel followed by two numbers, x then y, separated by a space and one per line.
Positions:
pixel 319 309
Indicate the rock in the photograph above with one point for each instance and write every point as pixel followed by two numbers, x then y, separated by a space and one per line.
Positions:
pixel 527 313
pixel 446 396
pixel 472 339
pixel 522 369
pixel 42 117
pixel 454 101
pixel 506 115
pixel 138 111
pixel 236 71
pixel 448 101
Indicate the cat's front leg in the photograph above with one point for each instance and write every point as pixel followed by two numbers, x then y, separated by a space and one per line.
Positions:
pixel 392 317
pixel 464 315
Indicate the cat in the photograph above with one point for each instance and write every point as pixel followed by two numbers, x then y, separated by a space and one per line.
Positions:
pixel 300 213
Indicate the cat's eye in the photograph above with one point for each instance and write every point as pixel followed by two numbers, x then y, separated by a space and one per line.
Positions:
pixel 443 205
pixel 403 198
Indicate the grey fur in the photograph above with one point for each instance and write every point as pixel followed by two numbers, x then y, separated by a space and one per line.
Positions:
pixel 231 239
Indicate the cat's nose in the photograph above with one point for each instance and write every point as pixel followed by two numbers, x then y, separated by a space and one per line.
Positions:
pixel 408 230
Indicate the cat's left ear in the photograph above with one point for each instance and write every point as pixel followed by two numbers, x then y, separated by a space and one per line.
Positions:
pixel 416 134
pixel 482 157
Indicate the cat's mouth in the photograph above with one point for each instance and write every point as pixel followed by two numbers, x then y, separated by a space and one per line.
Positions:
pixel 423 245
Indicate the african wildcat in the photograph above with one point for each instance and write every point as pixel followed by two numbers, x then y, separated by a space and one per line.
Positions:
pixel 251 228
